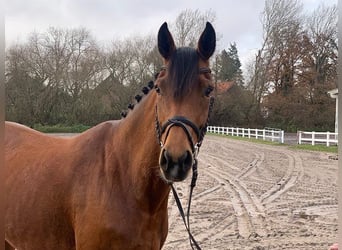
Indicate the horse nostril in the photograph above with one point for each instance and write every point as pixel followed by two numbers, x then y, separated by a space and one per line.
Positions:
pixel 185 160
pixel 164 160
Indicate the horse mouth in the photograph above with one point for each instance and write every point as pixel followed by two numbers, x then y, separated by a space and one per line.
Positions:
pixel 173 175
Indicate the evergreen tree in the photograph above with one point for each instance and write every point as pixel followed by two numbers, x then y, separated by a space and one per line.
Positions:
pixel 229 65
pixel 236 64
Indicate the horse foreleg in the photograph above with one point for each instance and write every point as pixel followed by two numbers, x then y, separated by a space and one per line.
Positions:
pixel 8 246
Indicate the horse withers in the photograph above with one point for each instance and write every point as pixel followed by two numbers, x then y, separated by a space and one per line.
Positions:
pixel 108 187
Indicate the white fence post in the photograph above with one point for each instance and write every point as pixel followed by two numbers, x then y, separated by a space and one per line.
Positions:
pixel 313 138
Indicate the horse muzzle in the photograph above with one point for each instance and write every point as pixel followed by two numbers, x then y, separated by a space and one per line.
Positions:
pixel 175 168
pixel 176 159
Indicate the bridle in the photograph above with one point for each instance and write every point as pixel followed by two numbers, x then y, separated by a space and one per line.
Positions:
pixel 182 121
pixel 185 124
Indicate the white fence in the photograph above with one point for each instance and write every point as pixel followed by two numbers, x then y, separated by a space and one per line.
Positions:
pixel 263 134
pixel 327 138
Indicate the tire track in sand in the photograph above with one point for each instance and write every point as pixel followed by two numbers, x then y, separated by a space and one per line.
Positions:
pixel 294 173
pixel 238 170
pixel 248 208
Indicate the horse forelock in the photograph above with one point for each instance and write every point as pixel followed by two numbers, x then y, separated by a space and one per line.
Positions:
pixel 183 71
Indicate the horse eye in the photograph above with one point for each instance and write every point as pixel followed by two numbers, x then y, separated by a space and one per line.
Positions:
pixel 157 89
pixel 209 90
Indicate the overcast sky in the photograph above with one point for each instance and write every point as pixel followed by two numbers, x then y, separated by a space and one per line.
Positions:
pixel 236 20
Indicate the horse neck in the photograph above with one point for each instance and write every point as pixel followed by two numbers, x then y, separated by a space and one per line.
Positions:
pixel 141 160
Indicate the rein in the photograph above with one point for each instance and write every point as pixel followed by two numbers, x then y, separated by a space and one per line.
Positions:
pixel 183 122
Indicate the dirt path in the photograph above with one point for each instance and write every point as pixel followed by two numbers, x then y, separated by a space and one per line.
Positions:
pixel 255 196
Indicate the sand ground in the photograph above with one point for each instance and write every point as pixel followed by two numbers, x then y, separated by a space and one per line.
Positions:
pixel 256 196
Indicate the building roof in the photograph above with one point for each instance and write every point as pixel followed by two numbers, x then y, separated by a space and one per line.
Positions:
pixel 222 87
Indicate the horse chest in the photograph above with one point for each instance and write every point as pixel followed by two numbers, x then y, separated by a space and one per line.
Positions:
pixel 127 231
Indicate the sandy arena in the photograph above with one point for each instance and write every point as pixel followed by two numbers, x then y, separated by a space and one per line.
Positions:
pixel 256 196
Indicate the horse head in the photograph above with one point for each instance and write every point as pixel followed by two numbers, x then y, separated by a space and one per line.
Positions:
pixel 183 85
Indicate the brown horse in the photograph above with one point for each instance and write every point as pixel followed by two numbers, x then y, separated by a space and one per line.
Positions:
pixel 108 187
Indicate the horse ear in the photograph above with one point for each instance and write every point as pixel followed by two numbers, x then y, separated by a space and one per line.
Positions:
pixel 166 45
pixel 207 42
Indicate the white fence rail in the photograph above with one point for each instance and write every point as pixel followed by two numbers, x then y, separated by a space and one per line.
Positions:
pixel 313 138
pixel 263 134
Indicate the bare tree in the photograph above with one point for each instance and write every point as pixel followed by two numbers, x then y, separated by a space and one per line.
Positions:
pixel 129 64
pixel 85 71
pixel 189 24
pixel 319 62
pixel 22 90
pixel 297 58
pixel 63 63
pixel 274 66
pixel 84 65
pixel 283 32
